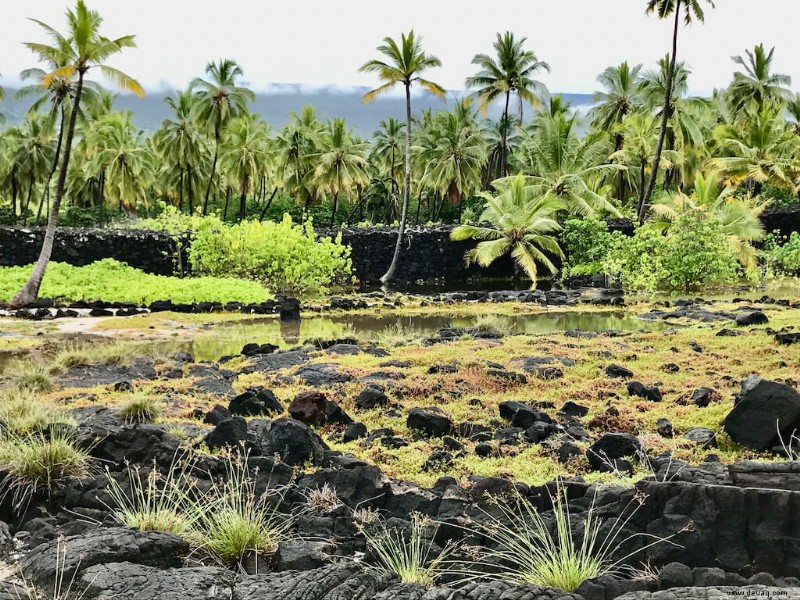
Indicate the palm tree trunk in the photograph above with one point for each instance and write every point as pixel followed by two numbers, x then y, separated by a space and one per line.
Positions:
pixel 28 199
pixel 14 191
pixel 334 209
pixel 189 190
pixel 664 117
pixel 30 290
pixel 180 192
pixel 225 211
pixel 504 127
pixel 419 202
pixel 243 199
pixel 213 170
pixel 641 180
pixel 46 192
pixel 267 204
pixel 389 275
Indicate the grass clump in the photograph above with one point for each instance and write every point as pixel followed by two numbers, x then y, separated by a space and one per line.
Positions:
pixel 153 501
pixel 396 335
pixel 493 324
pixel 30 376
pixel 323 499
pixel 113 281
pixel 411 557
pixel 236 521
pixel 142 409
pixel 22 411
pixel 524 549
pixel 37 462
pixel 81 355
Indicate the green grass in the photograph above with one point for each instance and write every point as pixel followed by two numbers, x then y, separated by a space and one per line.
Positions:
pixel 23 411
pixel 410 557
pixel 113 281
pixel 141 408
pixel 36 463
pixel 26 374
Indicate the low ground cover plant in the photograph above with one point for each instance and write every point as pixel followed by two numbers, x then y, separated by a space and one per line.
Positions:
pixel 112 281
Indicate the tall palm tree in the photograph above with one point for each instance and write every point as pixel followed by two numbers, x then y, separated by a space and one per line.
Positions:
pixel 34 154
pixel 793 108
pixel 516 221
pixel 246 154
pixel 219 99
pixel 179 142
pixel 387 141
pixel 404 64
pixel 82 49
pixel 620 96
pixel 341 163
pixel 692 10
pixel 511 71
pixel 296 143
pixel 758 83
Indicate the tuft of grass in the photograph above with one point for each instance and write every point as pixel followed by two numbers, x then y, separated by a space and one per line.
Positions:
pixel 396 335
pixel 524 549
pixel 142 409
pixel 407 556
pixel 496 324
pixel 236 521
pixel 322 500
pixel 22 411
pixel 31 376
pixel 36 463
pixel 83 354
pixel 153 501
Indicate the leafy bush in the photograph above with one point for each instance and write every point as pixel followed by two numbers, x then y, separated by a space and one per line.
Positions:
pixel 587 243
pixel 286 258
pixel 781 255
pixel 113 281
pixel 779 198
pixel 694 254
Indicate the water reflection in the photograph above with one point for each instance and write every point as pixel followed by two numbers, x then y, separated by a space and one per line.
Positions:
pixel 228 339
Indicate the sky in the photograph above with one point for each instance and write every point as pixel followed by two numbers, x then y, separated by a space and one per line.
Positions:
pixel 322 43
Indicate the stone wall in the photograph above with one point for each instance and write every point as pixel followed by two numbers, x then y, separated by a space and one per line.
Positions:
pixel 427 252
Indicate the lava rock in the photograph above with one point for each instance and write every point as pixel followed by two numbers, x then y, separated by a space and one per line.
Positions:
pixel 648 392
pixel 429 421
pixel 354 431
pixel 292 441
pixel 664 428
pixel 675 575
pixel 610 447
pixel 701 436
pixel 335 414
pixel 704 396
pixel 765 411
pixel 254 403
pixel 216 415
pixel 371 398
pixel 573 409
pixel 613 370
pixel 230 432
pixel 755 317
pixel 309 407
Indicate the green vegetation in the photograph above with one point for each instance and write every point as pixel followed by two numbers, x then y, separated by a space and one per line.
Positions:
pixel 587 242
pixel 783 258
pixel 410 555
pixel 113 281
pixel 141 409
pixel 284 257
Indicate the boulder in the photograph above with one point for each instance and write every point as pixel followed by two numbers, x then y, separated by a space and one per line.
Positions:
pixel 701 436
pixel 704 396
pixel 309 407
pixel 648 392
pixel 335 414
pixel 217 415
pixel 290 309
pixel 129 580
pixel 354 431
pixel 255 403
pixel 292 441
pixel 611 447
pixel 573 409
pixel 664 428
pixel 230 432
pixel 613 370
pixel 321 374
pixel 675 575
pixel 371 398
pixel 755 317
pixel 429 421
pixel 764 412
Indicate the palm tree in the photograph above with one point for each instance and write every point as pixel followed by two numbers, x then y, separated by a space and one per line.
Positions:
pixel 247 152
pixel 640 131
pixel 510 72
pixel 118 151
pixel 692 10
pixel 219 99
pixel 793 108
pixel 621 95
pixel 563 166
pixel 758 83
pixel 405 65
pixel 516 221
pixel 738 217
pixel 297 142
pixel 34 154
pixel 81 50
pixel 387 141
pixel 341 163
pixel 180 144
pixel 760 150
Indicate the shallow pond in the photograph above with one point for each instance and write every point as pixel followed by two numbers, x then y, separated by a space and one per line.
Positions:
pixel 228 339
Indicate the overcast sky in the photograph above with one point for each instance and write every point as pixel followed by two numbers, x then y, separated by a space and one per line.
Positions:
pixel 323 42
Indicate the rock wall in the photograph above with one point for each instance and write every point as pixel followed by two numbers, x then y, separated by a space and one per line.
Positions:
pixel 427 252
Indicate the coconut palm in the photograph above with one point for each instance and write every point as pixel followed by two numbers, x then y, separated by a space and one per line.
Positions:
pixel 82 49
pixel 758 83
pixel 119 152
pixel 296 143
pixel 511 71
pixel 620 96
pixel 218 100
pixel 179 142
pixel 793 108
pixel 404 64
pixel 516 221
pixel 341 163
pixel 738 216
pixel 563 166
pixel 246 155
pixel 387 141
pixel 34 154
pixel 758 149
pixel 692 11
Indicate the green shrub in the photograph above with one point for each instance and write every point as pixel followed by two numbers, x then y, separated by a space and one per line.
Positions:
pixel 781 255
pixel 693 255
pixel 286 258
pixel 587 243
pixel 112 281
